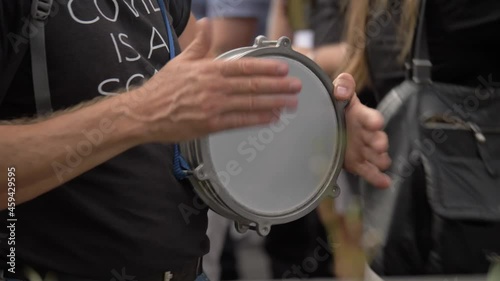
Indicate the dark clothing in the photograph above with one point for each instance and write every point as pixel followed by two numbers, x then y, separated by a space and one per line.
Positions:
pixel 327 21
pixel 462 44
pixel 462 40
pixel 299 249
pixel 128 212
pixel 424 235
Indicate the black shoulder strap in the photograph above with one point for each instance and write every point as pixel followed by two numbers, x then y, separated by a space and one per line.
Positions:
pixel 39 15
pixel 40 11
pixel 421 66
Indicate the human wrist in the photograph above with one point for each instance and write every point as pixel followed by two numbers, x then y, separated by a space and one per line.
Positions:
pixel 131 115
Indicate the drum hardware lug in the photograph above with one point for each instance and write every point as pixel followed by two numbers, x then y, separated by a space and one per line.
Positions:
pixel 263 229
pixel 200 174
pixel 285 42
pixel 262 41
pixel 241 228
pixel 333 191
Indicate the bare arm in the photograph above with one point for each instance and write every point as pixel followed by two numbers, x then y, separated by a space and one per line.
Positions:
pixel 278 22
pixel 232 33
pixel 189 33
pixel 181 102
pixel 330 57
pixel 46 154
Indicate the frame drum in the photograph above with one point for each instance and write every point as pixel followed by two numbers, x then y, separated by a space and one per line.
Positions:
pixel 274 174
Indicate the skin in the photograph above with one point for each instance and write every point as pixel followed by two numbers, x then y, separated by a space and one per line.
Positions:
pixel 189 33
pixel 232 33
pixel 278 21
pixel 181 102
pixel 328 57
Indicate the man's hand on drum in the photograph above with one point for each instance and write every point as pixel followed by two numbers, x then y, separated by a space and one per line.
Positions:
pixel 367 145
pixel 193 95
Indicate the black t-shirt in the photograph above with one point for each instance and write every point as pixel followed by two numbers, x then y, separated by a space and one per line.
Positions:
pixel 461 37
pixel 129 212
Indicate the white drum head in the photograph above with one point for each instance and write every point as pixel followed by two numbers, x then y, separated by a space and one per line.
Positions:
pixel 274 170
pixel 277 173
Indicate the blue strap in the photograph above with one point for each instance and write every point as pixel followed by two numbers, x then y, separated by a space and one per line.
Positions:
pixel 171 43
pixel 180 164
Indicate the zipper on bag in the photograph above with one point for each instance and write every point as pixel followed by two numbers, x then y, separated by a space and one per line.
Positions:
pixel 441 122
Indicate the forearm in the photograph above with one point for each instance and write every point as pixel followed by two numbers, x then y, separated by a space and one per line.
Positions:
pixel 279 25
pixel 330 57
pixel 189 33
pixel 180 102
pixel 48 153
pixel 232 33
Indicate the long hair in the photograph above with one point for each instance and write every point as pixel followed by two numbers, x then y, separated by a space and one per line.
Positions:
pixel 357 28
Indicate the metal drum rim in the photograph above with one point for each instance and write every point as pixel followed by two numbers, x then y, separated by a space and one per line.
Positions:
pixel 201 155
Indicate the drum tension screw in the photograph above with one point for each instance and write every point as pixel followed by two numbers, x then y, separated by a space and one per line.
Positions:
pixel 263 230
pixel 199 173
pixel 188 172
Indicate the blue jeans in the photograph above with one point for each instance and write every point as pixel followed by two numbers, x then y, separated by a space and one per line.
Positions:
pixel 202 277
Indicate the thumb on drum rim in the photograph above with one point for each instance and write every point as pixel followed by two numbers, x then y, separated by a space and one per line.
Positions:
pixel 200 47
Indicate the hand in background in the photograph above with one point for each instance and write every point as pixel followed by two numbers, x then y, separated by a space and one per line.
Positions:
pixel 193 95
pixel 367 144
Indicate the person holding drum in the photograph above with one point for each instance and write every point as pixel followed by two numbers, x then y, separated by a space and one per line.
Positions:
pixel 96 195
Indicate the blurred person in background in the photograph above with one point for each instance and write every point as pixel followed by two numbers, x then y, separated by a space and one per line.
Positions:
pixel 236 22
pixel 462 49
pixel 314 25
pixel 460 42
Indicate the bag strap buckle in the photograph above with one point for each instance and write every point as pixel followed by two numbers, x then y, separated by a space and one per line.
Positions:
pixel 40 9
pixel 422 71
